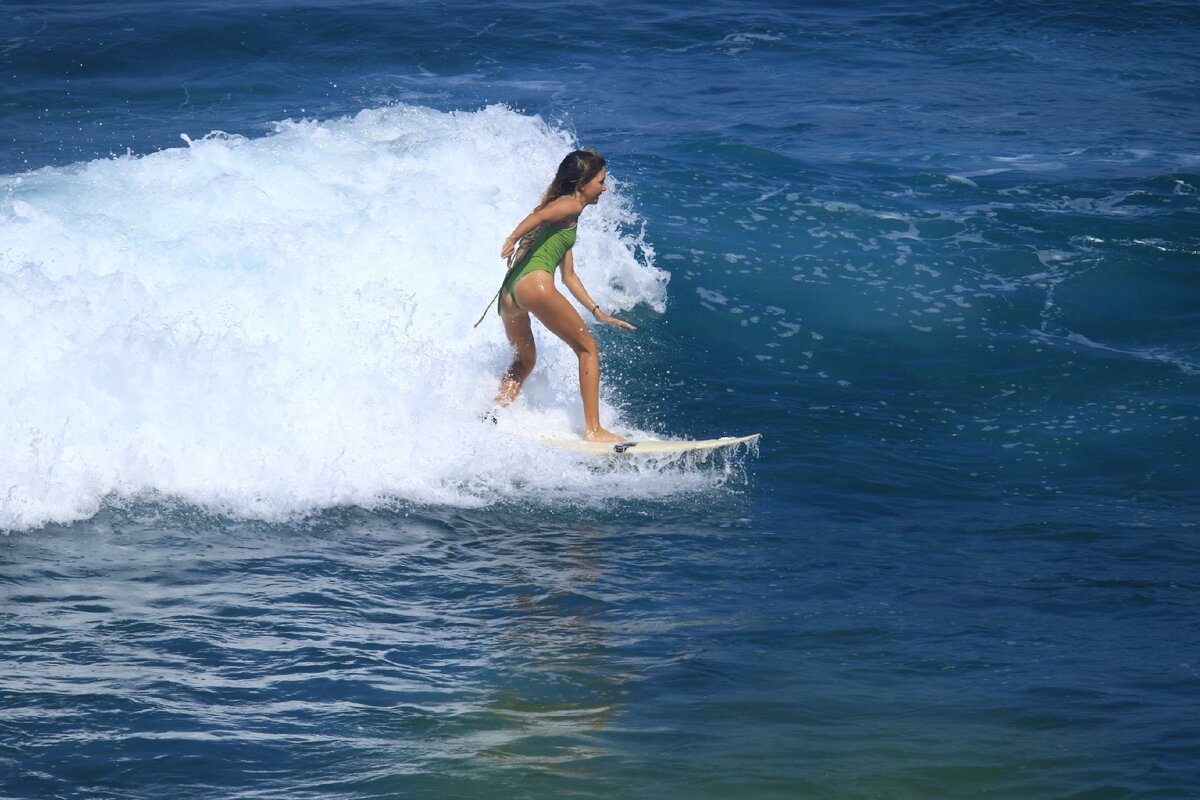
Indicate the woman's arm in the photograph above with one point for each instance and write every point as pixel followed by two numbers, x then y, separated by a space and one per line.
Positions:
pixel 572 282
pixel 561 209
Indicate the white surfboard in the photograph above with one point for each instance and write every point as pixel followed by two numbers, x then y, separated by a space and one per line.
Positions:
pixel 649 447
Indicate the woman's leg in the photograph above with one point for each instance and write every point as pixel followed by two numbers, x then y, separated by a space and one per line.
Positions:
pixel 537 293
pixel 520 336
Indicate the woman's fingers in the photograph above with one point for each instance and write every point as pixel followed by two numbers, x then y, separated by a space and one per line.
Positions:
pixel 618 323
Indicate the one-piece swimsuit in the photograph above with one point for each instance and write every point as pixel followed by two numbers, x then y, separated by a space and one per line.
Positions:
pixel 545 252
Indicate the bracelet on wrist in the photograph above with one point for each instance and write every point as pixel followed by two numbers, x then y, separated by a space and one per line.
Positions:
pixel 594 309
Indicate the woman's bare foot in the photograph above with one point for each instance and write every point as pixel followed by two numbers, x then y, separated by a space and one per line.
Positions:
pixel 601 435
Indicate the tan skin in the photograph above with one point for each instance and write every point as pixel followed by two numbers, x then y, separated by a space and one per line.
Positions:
pixel 537 295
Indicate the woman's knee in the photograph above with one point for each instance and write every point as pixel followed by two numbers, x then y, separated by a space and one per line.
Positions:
pixel 585 345
pixel 525 362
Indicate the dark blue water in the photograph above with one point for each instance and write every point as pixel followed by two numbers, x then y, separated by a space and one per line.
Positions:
pixel 944 257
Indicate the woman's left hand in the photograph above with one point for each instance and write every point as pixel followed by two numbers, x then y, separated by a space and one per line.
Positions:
pixel 608 319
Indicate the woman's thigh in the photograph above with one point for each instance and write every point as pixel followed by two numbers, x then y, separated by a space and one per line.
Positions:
pixel 517 327
pixel 537 293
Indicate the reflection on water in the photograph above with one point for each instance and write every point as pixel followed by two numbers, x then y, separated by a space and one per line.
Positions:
pixel 562 680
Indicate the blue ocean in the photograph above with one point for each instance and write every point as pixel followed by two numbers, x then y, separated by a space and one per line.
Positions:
pixel 257 543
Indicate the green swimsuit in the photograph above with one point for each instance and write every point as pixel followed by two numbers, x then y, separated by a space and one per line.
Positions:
pixel 545 252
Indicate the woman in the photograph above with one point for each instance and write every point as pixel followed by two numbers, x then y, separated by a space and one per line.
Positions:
pixel 546 237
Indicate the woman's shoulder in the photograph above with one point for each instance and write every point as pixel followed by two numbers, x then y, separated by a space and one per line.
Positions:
pixel 563 207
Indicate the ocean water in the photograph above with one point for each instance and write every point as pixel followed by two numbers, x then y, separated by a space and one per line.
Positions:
pixel 945 257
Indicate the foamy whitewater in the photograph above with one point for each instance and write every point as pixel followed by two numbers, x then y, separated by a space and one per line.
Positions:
pixel 268 326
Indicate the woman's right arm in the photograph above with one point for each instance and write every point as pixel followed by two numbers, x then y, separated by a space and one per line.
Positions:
pixel 524 227
pixel 562 208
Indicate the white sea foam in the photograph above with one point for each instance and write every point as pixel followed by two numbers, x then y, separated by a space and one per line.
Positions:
pixel 268 326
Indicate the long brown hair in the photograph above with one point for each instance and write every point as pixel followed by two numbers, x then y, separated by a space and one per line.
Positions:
pixel 574 172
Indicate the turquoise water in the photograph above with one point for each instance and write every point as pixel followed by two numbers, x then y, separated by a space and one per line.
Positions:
pixel 943 257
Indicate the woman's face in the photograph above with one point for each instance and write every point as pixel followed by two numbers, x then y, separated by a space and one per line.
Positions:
pixel 591 191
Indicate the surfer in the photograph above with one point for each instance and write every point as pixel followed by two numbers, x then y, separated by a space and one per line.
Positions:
pixel 537 247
